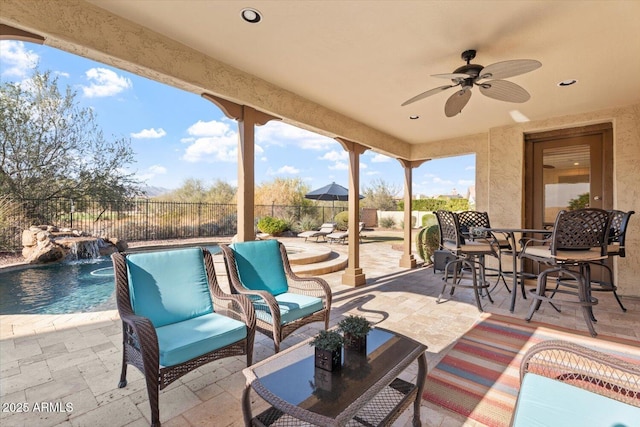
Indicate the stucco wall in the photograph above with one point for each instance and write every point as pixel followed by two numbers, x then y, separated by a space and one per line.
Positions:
pixel 500 174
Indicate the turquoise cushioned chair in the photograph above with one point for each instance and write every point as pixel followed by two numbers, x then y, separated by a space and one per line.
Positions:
pixel 176 318
pixel 283 301
pixel 566 384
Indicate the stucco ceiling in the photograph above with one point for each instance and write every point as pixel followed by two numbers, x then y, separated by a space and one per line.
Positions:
pixel 364 58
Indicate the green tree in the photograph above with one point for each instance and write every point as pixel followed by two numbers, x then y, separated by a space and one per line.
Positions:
pixel 380 195
pixel 283 191
pixel 221 192
pixel 50 147
pixel 191 191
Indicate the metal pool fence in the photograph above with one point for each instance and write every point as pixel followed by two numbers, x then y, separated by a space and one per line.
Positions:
pixel 136 219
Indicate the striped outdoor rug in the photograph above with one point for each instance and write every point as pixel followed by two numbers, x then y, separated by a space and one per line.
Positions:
pixel 479 377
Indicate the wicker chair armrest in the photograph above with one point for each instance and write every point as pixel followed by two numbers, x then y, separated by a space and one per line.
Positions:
pixel 237 307
pixel 140 325
pixel 311 286
pixel 586 368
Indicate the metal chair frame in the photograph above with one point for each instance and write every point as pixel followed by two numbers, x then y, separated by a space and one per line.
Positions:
pixel 469 256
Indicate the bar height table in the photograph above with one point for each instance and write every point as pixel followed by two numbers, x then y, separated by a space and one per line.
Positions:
pixel 510 234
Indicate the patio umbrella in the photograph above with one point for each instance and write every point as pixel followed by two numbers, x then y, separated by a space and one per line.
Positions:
pixel 331 192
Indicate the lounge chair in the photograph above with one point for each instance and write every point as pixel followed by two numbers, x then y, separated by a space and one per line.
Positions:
pixel 283 301
pixel 326 228
pixel 176 318
pixel 341 236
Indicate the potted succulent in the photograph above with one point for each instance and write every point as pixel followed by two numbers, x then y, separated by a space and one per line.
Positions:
pixel 355 330
pixel 328 350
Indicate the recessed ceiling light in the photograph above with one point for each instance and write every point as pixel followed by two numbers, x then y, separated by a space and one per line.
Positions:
pixel 414 117
pixel 250 15
pixel 576 164
pixel 568 82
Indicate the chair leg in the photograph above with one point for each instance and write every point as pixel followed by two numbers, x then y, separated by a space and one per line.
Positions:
pixel 154 392
pixel 540 292
pixel 476 291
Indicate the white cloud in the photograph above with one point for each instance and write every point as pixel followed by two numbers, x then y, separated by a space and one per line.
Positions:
pixel 470 168
pixel 212 128
pixel 17 60
pixel 282 134
pixel 187 140
pixel 104 82
pixel 63 74
pixel 380 158
pixel 340 166
pixel 151 172
pixel 158 170
pixel 149 134
pixel 370 173
pixel 466 182
pixel 213 141
pixel 334 156
pixel 438 180
pixel 289 170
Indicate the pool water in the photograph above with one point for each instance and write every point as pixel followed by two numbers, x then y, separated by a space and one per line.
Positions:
pixel 73 287
pixel 67 287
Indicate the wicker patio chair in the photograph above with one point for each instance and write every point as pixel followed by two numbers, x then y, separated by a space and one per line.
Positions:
pixel 283 301
pixel 469 256
pixel 176 318
pixel 555 373
pixel 578 239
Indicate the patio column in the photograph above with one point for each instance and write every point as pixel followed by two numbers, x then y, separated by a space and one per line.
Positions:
pixel 353 275
pixel 408 260
pixel 247 119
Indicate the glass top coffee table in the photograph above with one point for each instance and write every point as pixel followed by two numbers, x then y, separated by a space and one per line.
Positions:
pixel 365 392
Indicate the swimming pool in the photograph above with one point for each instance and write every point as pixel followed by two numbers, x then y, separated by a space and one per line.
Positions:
pixel 68 287
pixel 72 287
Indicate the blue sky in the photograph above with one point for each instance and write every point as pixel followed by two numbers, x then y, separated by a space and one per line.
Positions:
pixel 178 135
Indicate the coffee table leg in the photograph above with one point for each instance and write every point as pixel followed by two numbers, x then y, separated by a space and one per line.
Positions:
pixel 422 376
pixel 246 406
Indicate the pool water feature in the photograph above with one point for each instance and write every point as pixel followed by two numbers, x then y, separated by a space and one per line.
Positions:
pixel 71 287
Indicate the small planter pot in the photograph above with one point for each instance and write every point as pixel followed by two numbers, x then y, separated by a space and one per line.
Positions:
pixel 328 360
pixel 354 343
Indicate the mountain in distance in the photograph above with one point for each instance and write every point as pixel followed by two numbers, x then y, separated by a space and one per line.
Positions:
pixel 151 191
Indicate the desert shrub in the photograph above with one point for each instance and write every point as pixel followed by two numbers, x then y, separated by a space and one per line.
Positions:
pixel 342 220
pixel 273 226
pixel 387 222
pixel 307 222
pixel 429 219
pixel 427 242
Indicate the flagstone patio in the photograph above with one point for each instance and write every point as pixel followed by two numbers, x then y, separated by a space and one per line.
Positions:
pixel 75 359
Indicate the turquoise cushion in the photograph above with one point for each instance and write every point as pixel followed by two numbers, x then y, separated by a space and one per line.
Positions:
pixel 183 341
pixel 292 307
pixel 260 266
pixel 169 286
pixel 546 402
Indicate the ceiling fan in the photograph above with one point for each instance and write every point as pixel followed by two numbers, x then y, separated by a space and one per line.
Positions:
pixel 468 75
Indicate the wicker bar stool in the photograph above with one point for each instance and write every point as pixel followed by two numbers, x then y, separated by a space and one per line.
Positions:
pixel 579 238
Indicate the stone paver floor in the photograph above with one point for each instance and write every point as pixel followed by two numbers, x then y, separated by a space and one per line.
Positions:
pixel 63 370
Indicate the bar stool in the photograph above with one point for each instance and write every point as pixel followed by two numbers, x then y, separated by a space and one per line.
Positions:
pixel 469 255
pixel 579 238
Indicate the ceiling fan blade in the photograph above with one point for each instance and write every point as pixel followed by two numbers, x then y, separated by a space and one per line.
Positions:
pixel 504 90
pixel 505 69
pixel 456 102
pixel 426 94
pixel 456 77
